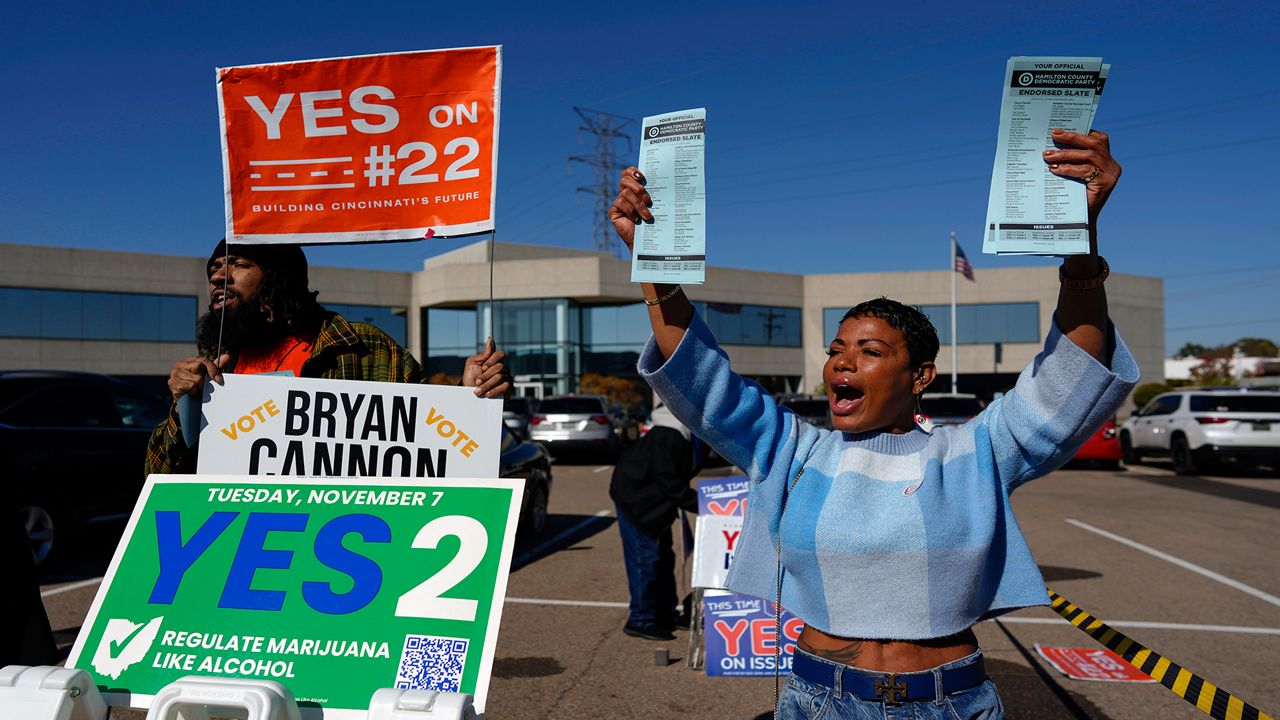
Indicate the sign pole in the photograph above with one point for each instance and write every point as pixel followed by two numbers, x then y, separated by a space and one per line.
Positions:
pixel 954 364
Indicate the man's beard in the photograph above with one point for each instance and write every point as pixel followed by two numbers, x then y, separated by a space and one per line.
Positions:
pixel 245 325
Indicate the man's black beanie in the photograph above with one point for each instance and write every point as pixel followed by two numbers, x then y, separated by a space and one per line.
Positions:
pixel 286 260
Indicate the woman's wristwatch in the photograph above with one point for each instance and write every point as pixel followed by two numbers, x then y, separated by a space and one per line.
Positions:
pixel 1093 283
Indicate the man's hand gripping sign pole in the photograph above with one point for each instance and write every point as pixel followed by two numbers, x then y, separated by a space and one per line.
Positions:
pixel 357 149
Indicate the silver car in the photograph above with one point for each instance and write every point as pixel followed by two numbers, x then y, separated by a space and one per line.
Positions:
pixel 1199 429
pixel 947 409
pixel 814 410
pixel 573 422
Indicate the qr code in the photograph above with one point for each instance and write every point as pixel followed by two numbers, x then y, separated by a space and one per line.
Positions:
pixel 431 663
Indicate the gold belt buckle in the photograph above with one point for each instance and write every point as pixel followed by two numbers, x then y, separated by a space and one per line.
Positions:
pixel 892 692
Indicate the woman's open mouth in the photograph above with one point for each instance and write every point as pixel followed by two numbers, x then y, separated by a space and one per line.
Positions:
pixel 845 399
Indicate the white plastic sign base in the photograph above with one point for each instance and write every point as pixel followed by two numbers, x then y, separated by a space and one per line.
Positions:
pixel 47 692
pixel 191 698
pixel 388 704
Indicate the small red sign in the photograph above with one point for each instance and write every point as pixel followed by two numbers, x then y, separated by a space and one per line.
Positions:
pixel 1091 664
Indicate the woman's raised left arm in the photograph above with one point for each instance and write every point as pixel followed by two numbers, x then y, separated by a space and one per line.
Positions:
pixel 1082 301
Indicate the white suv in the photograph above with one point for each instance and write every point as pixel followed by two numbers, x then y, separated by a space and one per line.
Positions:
pixel 1200 428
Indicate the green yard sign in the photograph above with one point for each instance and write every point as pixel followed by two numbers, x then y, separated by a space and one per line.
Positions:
pixel 334 588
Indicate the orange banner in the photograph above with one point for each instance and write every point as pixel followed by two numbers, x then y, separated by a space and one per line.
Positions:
pixel 361 149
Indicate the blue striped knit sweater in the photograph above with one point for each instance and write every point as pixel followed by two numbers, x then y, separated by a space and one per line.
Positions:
pixel 897 537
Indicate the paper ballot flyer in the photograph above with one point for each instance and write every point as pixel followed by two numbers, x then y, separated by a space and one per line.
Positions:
pixel 1030 210
pixel 672 248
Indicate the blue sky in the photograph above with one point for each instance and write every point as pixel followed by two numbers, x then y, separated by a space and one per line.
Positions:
pixel 840 138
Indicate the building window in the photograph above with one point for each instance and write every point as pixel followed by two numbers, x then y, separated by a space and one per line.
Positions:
pixel 535 336
pixel 93 315
pixel 449 338
pixel 736 324
pixel 393 321
pixel 555 341
pixel 831 323
pixel 613 336
pixel 987 323
pixel 980 324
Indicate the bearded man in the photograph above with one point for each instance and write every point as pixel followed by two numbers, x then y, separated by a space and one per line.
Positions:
pixel 263 318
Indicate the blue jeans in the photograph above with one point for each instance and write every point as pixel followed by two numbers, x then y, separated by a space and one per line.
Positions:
pixel 803 700
pixel 651 576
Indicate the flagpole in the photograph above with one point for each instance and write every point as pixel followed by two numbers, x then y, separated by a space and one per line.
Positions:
pixel 954 388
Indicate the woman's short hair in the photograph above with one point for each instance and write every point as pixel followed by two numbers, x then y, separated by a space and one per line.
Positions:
pixel 916 329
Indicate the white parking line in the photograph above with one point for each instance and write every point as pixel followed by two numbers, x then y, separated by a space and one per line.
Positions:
pixel 1188 627
pixel 570 603
pixel 69 587
pixel 1179 562
pixel 602 468
pixel 551 543
pixel 1154 625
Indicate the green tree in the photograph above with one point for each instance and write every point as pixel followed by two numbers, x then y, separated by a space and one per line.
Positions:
pixel 441 378
pixel 1250 346
pixel 1146 392
pixel 620 391
pixel 1213 371
pixel 1258 347
pixel 1191 350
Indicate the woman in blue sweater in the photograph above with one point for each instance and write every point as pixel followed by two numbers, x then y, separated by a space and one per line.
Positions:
pixel 888 541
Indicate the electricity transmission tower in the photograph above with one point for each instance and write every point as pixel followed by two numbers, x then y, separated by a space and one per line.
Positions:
pixel 608 129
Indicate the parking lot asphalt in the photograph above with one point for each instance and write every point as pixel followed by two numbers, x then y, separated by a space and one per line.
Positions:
pixel 1186 566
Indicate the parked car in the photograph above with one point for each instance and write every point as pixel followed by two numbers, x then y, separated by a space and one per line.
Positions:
pixel 947 409
pixel 1198 429
pixel 72 450
pixel 814 410
pixel 516 412
pixel 531 461
pixel 574 422
pixel 1103 446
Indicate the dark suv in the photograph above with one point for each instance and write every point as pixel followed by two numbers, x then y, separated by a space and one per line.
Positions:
pixel 72 449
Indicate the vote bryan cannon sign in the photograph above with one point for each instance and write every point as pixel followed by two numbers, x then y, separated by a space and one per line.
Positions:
pixel 334 588
pixel 271 425
pixel 378 147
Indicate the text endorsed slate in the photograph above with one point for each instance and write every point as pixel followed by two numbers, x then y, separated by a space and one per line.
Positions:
pixel 370 148
pixel 335 588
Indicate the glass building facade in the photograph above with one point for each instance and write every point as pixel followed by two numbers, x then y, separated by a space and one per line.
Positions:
pixel 735 324
pixel 980 324
pixel 393 321
pixel 552 342
pixel 36 313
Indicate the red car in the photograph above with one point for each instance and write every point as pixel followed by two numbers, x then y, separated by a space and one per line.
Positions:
pixel 1103 446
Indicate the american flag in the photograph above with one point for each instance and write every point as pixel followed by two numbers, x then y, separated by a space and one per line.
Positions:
pixel 962 264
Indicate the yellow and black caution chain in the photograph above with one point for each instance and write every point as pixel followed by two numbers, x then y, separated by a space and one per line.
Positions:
pixel 1206 696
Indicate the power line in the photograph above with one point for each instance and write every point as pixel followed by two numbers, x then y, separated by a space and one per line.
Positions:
pixel 607 129
pixel 850 166
pixel 1214 146
pixel 863 191
pixel 858 191
pixel 1224 271
pixel 1200 292
pixel 1122 123
pixel 1222 324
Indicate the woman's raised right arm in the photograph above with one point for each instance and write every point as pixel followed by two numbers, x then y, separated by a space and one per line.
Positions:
pixel 669 310
pixel 731 414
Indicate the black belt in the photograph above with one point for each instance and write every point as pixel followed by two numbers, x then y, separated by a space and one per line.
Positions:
pixel 891 688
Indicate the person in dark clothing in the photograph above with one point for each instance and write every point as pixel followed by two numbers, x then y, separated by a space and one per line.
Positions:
pixel 26 638
pixel 650 483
